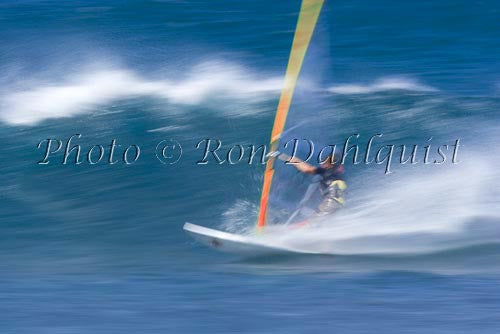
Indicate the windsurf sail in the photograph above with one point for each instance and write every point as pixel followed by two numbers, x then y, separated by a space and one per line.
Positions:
pixel 308 17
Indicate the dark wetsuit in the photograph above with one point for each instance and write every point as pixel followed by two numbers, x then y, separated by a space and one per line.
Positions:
pixel 332 188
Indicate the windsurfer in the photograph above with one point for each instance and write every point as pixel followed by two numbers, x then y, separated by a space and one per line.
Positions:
pixel 332 184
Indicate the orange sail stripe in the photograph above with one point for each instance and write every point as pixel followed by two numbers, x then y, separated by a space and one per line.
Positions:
pixel 309 13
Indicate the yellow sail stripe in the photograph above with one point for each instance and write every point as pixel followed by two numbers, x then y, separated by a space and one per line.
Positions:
pixel 309 13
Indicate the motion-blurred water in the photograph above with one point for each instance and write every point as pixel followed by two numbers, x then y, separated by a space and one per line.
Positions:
pixel 100 248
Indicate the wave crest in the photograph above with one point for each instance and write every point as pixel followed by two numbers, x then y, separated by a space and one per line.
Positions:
pixel 78 93
pixel 381 85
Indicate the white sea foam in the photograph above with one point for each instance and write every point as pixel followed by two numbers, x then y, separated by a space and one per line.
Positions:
pixel 29 102
pixel 381 85
pixel 83 91
pixel 168 128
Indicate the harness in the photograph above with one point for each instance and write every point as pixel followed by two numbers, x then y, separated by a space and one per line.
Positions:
pixel 333 187
pixel 335 191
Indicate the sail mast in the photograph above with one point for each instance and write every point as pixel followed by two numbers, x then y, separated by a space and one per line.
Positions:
pixel 309 13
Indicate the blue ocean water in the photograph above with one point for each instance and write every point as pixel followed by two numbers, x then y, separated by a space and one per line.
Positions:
pixel 100 248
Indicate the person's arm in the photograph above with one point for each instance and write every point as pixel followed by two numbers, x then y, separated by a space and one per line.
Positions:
pixel 301 165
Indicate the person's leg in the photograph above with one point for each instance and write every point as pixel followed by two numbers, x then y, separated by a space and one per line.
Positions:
pixel 327 207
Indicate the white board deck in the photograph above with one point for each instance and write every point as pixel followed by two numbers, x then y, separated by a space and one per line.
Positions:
pixel 235 243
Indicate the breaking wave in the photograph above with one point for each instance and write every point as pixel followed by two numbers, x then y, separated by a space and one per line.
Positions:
pixel 81 92
pixel 381 85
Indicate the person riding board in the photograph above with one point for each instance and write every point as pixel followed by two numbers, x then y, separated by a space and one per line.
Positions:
pixel 332 184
